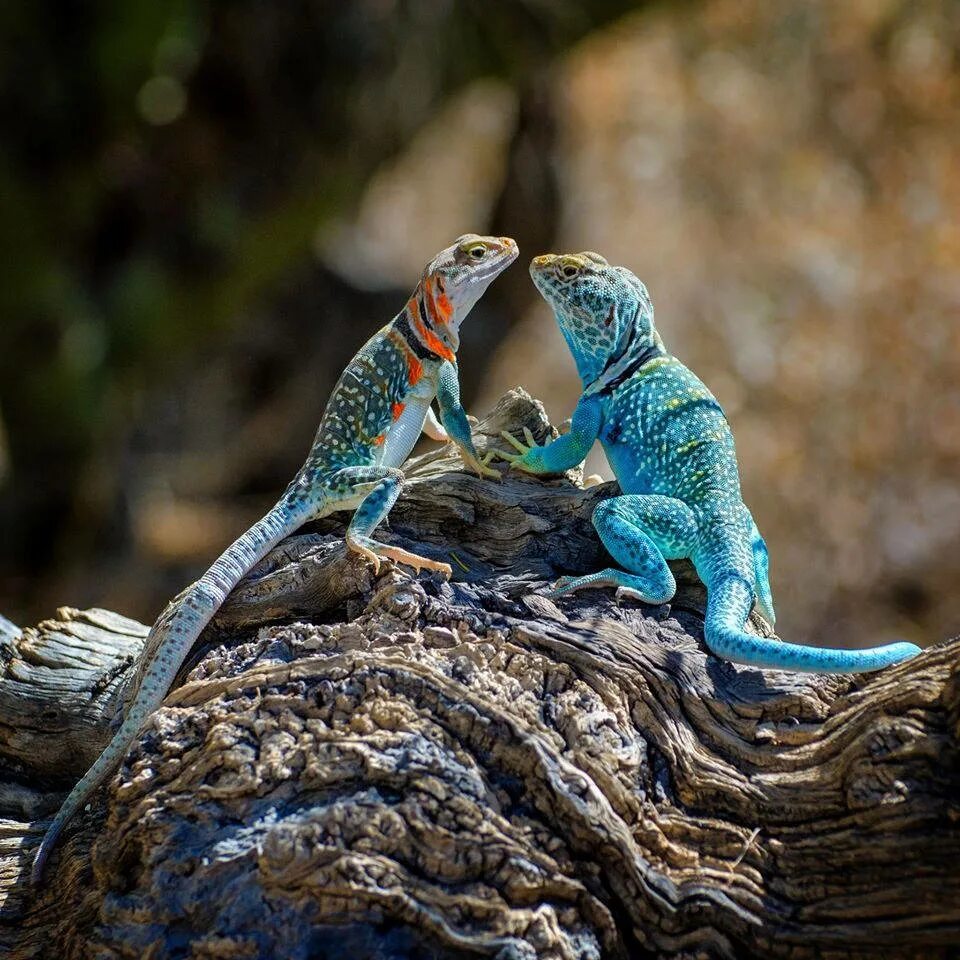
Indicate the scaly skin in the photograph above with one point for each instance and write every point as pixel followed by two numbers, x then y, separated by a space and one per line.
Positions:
pixel 373 418
pixel 671 448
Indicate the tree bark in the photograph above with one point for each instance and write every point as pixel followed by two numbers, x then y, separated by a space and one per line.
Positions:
pixel 388 766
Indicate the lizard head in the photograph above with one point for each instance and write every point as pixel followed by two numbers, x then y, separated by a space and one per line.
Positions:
pixel 454 281
pixel 604 312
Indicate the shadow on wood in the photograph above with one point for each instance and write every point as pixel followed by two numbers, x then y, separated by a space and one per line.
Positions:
pixel 386 767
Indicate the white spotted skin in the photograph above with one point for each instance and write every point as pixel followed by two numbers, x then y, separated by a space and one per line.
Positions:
pixel 362 405
pixel 672 451
pixel 664 432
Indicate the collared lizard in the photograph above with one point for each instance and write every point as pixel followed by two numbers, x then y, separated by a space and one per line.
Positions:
pixel 372 420
pixel 672 451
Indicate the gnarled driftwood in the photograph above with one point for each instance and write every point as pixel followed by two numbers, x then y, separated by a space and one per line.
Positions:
pixel 388 767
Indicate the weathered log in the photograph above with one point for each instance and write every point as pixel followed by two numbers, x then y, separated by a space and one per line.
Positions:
pixel 383 766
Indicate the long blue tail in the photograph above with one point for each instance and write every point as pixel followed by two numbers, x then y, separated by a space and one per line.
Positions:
pixel 728 606
pixel 178 626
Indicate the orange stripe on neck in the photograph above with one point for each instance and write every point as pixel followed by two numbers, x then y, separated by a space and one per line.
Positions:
pixel 433 341
pixel 427 335
pixel 414 369
pixel 427 294
pixel 441 309
pixel 444 307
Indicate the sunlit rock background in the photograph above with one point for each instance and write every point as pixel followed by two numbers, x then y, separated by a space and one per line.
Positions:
pixel 208 210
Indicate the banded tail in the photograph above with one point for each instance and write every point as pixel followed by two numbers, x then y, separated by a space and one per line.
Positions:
pixel 728 605
pixel 179 626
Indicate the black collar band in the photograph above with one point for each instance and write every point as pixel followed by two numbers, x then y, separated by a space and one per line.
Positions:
pixel 649 353
pixel 401 324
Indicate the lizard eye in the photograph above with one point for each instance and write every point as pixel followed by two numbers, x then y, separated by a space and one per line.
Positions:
pixel 474 250
pixel 568 271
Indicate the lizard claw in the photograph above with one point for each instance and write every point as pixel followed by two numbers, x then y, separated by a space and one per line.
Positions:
pixel 559 587
pixel 519 459
pixel 484 468
pixel 444 569
pixel 366 553
pixel 505 455
pixel 521 448
pixel 399 555
pixel 481 466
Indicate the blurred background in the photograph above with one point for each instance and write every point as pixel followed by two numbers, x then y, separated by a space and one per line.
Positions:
pixel 207 207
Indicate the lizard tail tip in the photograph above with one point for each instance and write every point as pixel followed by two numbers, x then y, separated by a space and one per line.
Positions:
pixel 36 870
pixel 904 650
pixel 43 854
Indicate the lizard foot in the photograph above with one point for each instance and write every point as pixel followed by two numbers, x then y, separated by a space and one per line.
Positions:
pixel 626 584
pixel 564 585
pixel 366 553
pixel 516 458
pixel 414 560
pixel 481 466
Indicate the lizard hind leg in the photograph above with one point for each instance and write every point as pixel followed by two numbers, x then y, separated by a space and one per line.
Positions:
pixel 382 486
pixel 640 533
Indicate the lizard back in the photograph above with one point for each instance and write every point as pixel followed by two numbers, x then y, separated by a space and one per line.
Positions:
pixel 664 432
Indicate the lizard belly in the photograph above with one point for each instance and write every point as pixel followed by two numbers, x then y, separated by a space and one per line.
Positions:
pixel 404 432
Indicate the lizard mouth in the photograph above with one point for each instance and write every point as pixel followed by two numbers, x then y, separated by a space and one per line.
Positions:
pixel 542 276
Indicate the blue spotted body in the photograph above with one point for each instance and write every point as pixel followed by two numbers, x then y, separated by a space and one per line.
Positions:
pixel 375 414
pixel 672 451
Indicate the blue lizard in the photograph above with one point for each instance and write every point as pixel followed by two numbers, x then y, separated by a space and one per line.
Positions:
pixel 373 418
pixel 672 451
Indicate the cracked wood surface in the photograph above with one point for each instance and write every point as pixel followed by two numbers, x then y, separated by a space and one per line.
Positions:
pixel 385 767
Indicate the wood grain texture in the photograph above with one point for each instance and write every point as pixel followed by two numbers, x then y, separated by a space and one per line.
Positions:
pixel 385 767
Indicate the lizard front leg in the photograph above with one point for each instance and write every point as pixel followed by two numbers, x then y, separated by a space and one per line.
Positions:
pixel 456 424
pixel 565 452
